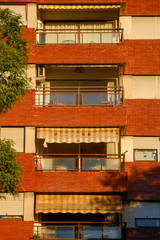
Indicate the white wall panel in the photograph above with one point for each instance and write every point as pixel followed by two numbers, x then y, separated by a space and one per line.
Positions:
pixel 32 15
pixel 29 139
pixel 127 84
pixel 128 215
pixel 16 134
pixel 127 145
pixel 145 143
pixel 19 9
pixel 12 205
pixel 126 24
pixel 143 28
pixel 28 206
pixel 147 209
pixel 31 73
pixel 144 87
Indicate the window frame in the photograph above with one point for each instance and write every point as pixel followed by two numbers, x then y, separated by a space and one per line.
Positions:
pixel 143 160
pixel 145 220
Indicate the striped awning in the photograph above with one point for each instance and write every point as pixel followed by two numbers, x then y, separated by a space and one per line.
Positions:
pixel 78 204
pixel 78 135
pixel 85 65
pixel 78 7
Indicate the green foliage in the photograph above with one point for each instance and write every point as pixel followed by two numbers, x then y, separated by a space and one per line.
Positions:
pixel 35 236
pixel 10 168
pixel 13 60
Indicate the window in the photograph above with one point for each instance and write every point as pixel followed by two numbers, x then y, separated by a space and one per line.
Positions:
pixel 147 222
pixel 145 154
pixel 16 134
pixel 10 218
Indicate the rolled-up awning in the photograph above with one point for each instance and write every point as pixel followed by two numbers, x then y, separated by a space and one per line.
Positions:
pixel 78 135
pixel 78 204
pixel 78 7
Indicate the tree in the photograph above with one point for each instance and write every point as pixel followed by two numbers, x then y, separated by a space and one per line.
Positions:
pixel 13 60
pixel 10 168
pixel 13 86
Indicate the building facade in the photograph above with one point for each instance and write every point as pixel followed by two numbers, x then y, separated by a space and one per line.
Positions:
pixel 88 132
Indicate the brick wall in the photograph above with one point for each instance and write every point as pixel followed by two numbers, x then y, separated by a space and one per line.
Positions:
pixel 75 54
pixel 142 7
pixel 140 56
pixel 143 181
pixel 132 7
pixel 143 233
pixel 143 117
pixel 77 182
pixel 26 114
pixel 16 230
pixel 140 116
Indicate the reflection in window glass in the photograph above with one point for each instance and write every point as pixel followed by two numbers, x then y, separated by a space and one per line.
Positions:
pixel 145 155
pixel 91 164
pixel 91 99
pixel 65 232
pixel 46 164
pixel 111 164
pixel 65 164
pixel 112 232
pixel 47 232
pixel 92 232
pixel 147 222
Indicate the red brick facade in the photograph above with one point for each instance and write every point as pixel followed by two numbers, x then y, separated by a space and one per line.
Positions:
pixel 77 182
pixel 140 116
pixel 16 230
pixel 143 233
pixel 132 7
pixel 143 181
pixel 130 53
pixel 140 181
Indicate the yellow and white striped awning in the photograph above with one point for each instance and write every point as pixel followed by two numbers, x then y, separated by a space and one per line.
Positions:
pixel 78 7
pixel 78 204
pixel 85 65
pixel 78 135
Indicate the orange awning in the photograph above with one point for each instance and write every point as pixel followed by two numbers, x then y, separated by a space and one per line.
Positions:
pixel 78 7
pixel 78 135
pixel 78 204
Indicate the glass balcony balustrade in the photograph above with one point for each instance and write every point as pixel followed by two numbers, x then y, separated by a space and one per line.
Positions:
pixel 81 162
pixel 79 230
pixel 81 36
pixel 80 96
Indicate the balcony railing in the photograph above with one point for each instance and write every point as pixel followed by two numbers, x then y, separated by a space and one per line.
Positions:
pixel 79 96
pixel 81 36
pixel 79 162
pixel 79 230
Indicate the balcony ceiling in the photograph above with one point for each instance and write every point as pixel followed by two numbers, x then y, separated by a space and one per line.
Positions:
pixel 75 15
pixel 88 73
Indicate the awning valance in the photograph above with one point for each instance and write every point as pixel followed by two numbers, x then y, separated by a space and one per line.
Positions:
pixel 78 204
pixel 78 135
pixel 78 7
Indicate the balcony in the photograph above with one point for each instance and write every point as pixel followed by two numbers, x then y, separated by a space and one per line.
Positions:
pixel 80 36
pixel 79 230
pixel 79 96
pixel 80 162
